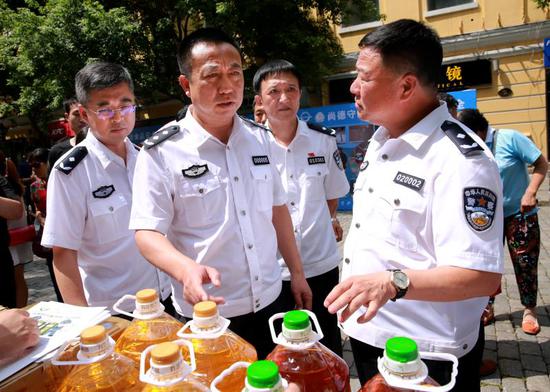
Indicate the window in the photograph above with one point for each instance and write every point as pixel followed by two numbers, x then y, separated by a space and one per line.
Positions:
pixel 356 15
pixel 438 4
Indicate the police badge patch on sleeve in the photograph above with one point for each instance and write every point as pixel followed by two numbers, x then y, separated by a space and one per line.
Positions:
pixel 479 207
pixel 338 159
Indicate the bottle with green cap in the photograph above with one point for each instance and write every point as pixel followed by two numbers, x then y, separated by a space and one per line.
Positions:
pixel 261 376
pixel 401 369
pixel 302 359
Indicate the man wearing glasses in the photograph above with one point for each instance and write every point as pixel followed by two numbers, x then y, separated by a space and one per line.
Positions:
pixel 96 260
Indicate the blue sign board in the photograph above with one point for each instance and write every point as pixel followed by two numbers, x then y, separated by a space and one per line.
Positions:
pixel 546 51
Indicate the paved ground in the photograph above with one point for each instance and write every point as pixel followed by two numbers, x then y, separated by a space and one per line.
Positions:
pixel 523 360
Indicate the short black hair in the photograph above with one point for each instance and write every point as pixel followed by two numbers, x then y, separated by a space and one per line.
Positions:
pixel 272 68
pixel 100 75
pixel 208 35
pixel 39 155
pixel 68 103
pixel 408 46
pixel 473 119
pixel 448 99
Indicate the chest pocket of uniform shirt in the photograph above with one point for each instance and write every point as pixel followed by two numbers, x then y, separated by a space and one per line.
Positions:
pixel 406 213
pixel 111 217
pixel 203 201
pixel 314 182
pixel 263 185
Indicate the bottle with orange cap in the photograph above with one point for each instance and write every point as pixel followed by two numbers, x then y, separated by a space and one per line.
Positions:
pixel 97 366
pixel 168 372
pixel 151 325
pixel 216 347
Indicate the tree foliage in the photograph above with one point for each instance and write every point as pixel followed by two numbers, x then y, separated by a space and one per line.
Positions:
pixel 543 4
pixel 42 46
pixel 43 43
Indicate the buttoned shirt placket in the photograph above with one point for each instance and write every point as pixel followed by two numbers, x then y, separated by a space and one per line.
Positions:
pixel 242 213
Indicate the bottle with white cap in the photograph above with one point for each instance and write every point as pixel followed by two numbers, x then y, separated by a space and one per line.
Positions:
pixel 401 369
pixel 215 346
pixel 97 366
pixel 151 325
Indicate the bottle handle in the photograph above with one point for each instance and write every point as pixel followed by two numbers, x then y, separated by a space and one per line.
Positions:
pixel 146 377
pixel 116 306
pixel 226 372
pixel 405 384
pixel 134 314
pixel 81 360
pixel 231 369
pixel 196 333
pixel 317 334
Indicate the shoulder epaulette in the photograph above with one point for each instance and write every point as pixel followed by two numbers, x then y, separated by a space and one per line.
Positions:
pixel 160 136
pixel 465 143
pixel 322 129
pixel 138 148
pixel 76 155
pixel 252 122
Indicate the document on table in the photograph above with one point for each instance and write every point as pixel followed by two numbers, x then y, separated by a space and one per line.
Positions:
pixel 57 323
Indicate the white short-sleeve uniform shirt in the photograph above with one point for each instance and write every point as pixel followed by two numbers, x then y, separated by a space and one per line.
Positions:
pixel 417 205
pixel 214 203
pixel 88 210
pixel 311 172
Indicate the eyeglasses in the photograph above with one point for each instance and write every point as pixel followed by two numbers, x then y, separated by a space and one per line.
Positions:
pixel 106 114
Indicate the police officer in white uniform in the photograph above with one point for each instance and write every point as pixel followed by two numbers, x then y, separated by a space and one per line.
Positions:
pixel 312 174
pixel 209 207
pixel 96 259
pixel 425 245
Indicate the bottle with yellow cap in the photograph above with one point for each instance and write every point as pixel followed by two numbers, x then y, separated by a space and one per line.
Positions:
pixel 97 366
pixel 216 347
pixel 168 372
pixel 401 369
pixel 302 359
pixel 151 325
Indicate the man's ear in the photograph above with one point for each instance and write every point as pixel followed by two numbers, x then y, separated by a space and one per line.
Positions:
pixel 83 114
pixel 409 83
pixel 258 100
pixel 184 84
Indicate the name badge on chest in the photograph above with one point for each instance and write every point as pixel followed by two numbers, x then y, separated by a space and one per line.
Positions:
pixel 316 160
pixel 410 181
pixel 260 160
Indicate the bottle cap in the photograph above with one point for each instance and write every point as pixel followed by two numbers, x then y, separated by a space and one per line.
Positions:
pixel 165 353
pixel 296 319
pixel 401 349
pixel 146 295
pixel 205 309
pixel 93 335
pixel 263 374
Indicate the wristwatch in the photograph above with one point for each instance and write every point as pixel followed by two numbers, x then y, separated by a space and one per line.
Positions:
pixel 400 281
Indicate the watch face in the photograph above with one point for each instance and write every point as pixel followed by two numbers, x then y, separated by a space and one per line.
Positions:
pixel 401 280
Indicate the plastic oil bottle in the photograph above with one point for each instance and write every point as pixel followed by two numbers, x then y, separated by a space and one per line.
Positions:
pixel 98 366
pixel 401 369
pixel 261 376
pixel 168 372
pixel 216 347
pixel 302 359
pixel 151 325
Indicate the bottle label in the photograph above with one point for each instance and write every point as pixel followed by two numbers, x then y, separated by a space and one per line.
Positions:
pixel 95 350
pixel 165 372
